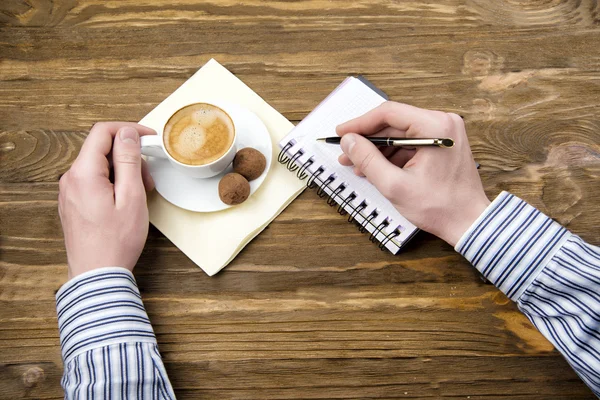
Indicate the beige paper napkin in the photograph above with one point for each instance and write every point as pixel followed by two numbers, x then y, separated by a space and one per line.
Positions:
pixel 212 240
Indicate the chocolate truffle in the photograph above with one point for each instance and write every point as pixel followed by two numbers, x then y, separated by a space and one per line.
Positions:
pixel 233 189
pixel 250 163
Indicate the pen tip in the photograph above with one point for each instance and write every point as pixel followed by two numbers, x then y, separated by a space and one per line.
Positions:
pixel 320 139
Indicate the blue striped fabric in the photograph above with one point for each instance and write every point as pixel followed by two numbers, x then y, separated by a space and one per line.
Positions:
pixel 108 345
pixel 552 275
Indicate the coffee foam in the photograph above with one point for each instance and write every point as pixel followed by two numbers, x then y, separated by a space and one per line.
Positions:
pixel 198 134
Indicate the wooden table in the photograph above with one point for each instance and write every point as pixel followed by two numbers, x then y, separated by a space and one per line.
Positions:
pixel 310 309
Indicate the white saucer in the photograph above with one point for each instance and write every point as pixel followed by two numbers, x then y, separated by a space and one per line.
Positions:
pixel 202 195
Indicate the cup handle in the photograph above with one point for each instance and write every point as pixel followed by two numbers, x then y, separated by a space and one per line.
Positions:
pixel 152 146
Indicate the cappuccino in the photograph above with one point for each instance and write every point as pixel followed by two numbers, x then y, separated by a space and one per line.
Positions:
pixel 198 134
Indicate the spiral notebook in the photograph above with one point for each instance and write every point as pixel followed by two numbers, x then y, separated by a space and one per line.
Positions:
pixel 317 163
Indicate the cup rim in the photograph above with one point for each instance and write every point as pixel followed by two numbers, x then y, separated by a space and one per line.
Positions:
pixel 162 136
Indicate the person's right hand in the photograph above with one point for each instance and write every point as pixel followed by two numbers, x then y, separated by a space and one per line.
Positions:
pixel 437 189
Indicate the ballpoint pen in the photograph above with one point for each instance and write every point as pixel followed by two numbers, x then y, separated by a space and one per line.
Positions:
pixel 397 142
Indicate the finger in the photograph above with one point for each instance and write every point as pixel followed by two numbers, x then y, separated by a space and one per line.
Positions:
pixel 389 132
pixel 401 157
pixel 369 161
pixel 389 114
pixel 358 172
pixel 146 177
pixel 389 151
pixel 345 160
pixel 99 143
pixel 127 164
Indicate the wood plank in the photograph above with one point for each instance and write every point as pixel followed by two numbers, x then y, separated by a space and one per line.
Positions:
pixel 449 14
pixel 508 74
pixel 329 379
pixel 331 317
pixel 39 380
pixel 38 156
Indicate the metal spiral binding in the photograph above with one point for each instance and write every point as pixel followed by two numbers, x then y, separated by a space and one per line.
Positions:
pixel 314 176
pixel 302 171
pixel 291 164
pixel 363 226
pixel 342 207
pixel 375 232
pixel 389 237
pixel 321 190
pixel 356 211
pixel 283 158
pixel 314 180
pixel 336 192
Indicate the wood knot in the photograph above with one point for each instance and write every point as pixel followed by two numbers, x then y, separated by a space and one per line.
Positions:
pixel 572 154
pixel 530 13
pixel 483 109
pixel 33 376
pixel 501 299
pixel 7 147
pixel 481 63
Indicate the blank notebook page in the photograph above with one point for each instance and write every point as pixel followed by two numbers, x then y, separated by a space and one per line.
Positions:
pixel 352 98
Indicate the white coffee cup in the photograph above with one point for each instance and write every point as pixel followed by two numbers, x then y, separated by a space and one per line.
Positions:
pixel 154 146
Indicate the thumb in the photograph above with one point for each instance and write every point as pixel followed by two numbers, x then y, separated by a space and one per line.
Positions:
pixel 127 164
pixel 367 158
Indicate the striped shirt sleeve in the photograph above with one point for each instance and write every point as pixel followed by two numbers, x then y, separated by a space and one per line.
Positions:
pixel 108 345
pixel 552 275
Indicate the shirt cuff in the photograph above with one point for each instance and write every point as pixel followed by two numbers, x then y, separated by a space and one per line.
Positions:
pixel 100 308
pixel 511 243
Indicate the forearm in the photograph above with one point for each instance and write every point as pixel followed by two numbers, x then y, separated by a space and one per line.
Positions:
pixel 108 345
pixel 550 273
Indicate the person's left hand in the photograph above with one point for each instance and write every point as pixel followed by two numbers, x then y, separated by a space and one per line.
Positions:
pixel 106 224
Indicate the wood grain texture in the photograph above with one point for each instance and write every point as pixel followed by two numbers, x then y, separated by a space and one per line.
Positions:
pixel 331 316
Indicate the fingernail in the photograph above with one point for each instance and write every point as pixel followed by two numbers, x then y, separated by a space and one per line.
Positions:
pixel 129 135
pixel 347 143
